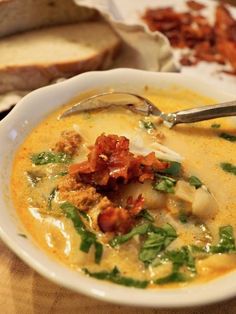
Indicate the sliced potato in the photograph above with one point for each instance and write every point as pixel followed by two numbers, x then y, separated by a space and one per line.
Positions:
pixel 184 191
pixel 176 205
pixel 153 199
pixel 204 204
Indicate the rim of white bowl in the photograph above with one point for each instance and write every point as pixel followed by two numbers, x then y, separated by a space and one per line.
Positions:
pixel 193 295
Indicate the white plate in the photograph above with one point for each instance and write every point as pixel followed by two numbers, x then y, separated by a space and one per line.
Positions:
pixel 13 129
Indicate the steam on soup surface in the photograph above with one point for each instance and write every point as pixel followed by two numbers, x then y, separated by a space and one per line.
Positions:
pixel 125 199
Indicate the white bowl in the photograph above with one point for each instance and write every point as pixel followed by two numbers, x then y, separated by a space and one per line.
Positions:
pixel 13 129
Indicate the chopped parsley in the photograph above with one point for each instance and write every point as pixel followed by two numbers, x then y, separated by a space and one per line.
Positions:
pixel 226 242
pixel 228 167
pixel 194 181
pixel 145 215
pixel 147 125
pixel 215 126
pixel 228 137
pixel 115 276
pixel 88 238
pixel 173 277
pixel 165 184
pixel 173 169
pixel 157 240
pixel 138 230
pixel 183 217
pixel 62 173
pixel 51 197
pixel 44 158
pixel 179 258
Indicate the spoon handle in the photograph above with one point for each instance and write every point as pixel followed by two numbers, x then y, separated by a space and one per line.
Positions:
pixel 203 113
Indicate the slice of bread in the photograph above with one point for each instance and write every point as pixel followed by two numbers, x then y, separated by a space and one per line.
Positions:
pixel 21 15
pixel 36 58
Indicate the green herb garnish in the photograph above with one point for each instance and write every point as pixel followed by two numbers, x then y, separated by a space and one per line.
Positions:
pixel 183 217
pixel 167 230
pixel 157 240
pixel 226 243
pixel 51 198
pixel 199 250
pixel 50 157
pixel 173 277
pixel 165 184
pixel 116 277
pixel 84 215
pixel 228 137
pixel 138 230
pixel 148 125
pixel 87 237
pixel 145 215
pixel 228 167
pixel 62 173
pixel 215 126
pixel 173 169
pixel 194 181
pixel 179 258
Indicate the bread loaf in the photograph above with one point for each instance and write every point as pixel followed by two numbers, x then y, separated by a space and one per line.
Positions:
pixel 33 59
pixel 21 15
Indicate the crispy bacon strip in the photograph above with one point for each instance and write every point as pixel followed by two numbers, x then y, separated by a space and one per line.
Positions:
pixel 194 5
pixel 110 162
pixel 118 219
pixel 223 23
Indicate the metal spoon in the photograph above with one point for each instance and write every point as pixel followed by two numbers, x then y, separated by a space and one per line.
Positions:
pixel 144 106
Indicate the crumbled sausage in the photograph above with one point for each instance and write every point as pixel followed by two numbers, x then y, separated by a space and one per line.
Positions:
pixel 81 195
pixel 68 143
pixel 105 215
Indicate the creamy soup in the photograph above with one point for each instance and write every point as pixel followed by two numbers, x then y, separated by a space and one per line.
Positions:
pixel 120 197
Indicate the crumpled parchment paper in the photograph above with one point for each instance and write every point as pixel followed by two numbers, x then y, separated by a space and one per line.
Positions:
pixel 142 49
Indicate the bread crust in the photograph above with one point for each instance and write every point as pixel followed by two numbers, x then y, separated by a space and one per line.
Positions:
pixel 29 77
pixel 18 16
pixel 22 15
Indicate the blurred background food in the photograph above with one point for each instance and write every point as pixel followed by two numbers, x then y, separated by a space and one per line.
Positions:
pixel 210 42
pixel 22 15
pixel 35 58
pixel 43 40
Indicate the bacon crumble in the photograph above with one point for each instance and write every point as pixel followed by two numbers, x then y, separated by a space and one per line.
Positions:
pixel 210 43
pixel 110 162
pixel 194 5
pixel 118 219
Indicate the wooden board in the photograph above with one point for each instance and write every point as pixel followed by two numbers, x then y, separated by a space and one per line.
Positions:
pixel 23 291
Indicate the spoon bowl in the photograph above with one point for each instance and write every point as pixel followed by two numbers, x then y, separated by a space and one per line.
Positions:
pixel 144 106
pixel 131 101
